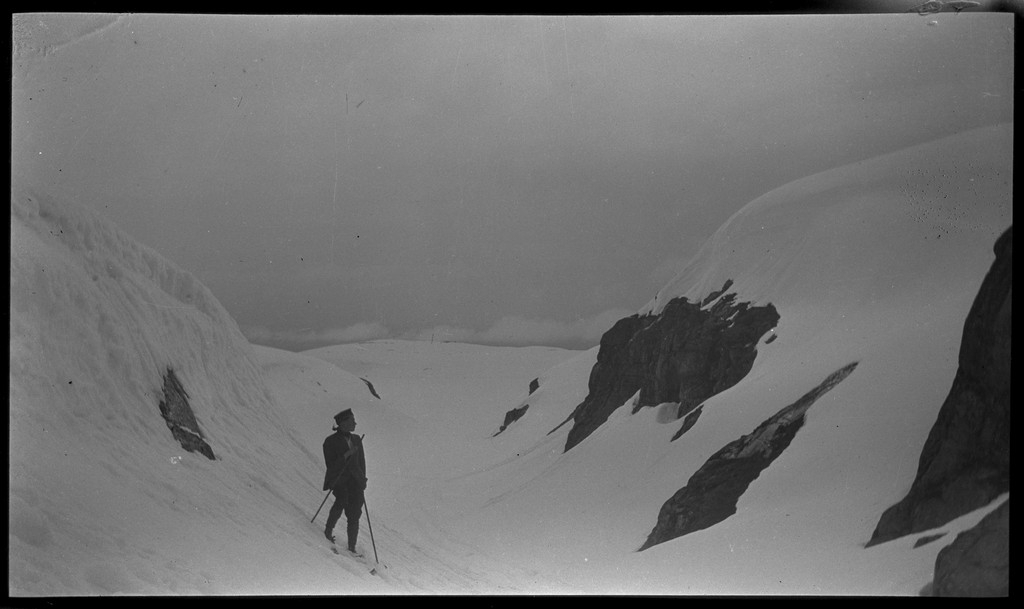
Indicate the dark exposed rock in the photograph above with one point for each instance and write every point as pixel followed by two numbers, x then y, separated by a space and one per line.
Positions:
pixel 688 422
pixel 177 412
pixel 927 539
pixel 711 493
pixel 511 417
pixel 965 462
pixel 686 354
pixel 369 386
pixel 516 413
pixel 713 295
pixel 977 563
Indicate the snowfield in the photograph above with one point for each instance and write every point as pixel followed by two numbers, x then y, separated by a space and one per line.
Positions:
pixel 876 262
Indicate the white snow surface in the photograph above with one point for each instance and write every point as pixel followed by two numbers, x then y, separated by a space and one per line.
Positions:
pixel 876 262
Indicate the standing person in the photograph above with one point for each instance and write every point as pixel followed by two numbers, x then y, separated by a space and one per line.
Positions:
pixel 346 476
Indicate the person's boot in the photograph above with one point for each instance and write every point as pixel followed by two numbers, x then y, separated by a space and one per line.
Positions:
pixel 332 519
pixel 353 534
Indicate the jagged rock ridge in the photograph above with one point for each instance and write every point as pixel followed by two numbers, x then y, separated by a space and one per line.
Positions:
pixel 177 412
pixel 711 493
pixel 685 354
pixel 965 462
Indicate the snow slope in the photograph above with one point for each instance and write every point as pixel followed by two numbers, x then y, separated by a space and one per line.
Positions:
pixel 876 262
pixel 103 500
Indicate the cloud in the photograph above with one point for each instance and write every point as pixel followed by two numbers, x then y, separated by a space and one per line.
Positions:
pixel 356 333
pixel 308 338
pixel 514 330
pixel 442 333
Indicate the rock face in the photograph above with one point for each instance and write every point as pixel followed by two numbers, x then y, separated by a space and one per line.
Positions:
pixel 977 563
pixel 177 412
pixel 686 354
pixel 516 413
pixel 511 417
pixel 965 462
pixel 688 422
pixel 711 494
pixel 927 539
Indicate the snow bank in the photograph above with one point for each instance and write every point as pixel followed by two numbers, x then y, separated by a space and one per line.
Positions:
pixel 102 498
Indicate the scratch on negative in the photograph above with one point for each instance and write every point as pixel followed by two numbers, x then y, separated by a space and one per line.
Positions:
pixel 568 70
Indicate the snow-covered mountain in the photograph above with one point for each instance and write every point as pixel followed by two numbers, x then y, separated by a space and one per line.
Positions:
pixel 841 300
pixel 778 484
pixel 812 341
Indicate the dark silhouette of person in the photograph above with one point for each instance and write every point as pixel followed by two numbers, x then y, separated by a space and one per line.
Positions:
pixel 346 476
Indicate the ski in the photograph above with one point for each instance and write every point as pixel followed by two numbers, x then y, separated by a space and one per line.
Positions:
pixel 356 555
pixel 359 556
pixel 335 549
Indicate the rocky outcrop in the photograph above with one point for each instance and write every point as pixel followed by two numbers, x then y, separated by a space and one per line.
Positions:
pixel 686 354
pixel 927 539
pixel 511 417
pixel 965 462
pixel 688 422
pixel 177 412
pixel 516 413
pixel 977 563
pixel 712 492
pixel 369 386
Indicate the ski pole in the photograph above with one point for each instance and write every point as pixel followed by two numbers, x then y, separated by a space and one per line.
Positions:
pixel 372 542
pixel 326 497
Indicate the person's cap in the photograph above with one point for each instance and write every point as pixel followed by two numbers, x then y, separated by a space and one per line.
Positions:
pixel 344 415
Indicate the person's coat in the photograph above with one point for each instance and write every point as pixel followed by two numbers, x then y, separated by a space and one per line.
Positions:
pixel 350 471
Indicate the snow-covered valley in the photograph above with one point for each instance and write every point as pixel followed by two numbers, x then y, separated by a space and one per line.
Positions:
pixel 876 263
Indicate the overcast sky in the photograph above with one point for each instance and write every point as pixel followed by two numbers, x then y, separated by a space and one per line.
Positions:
pixel 509 180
